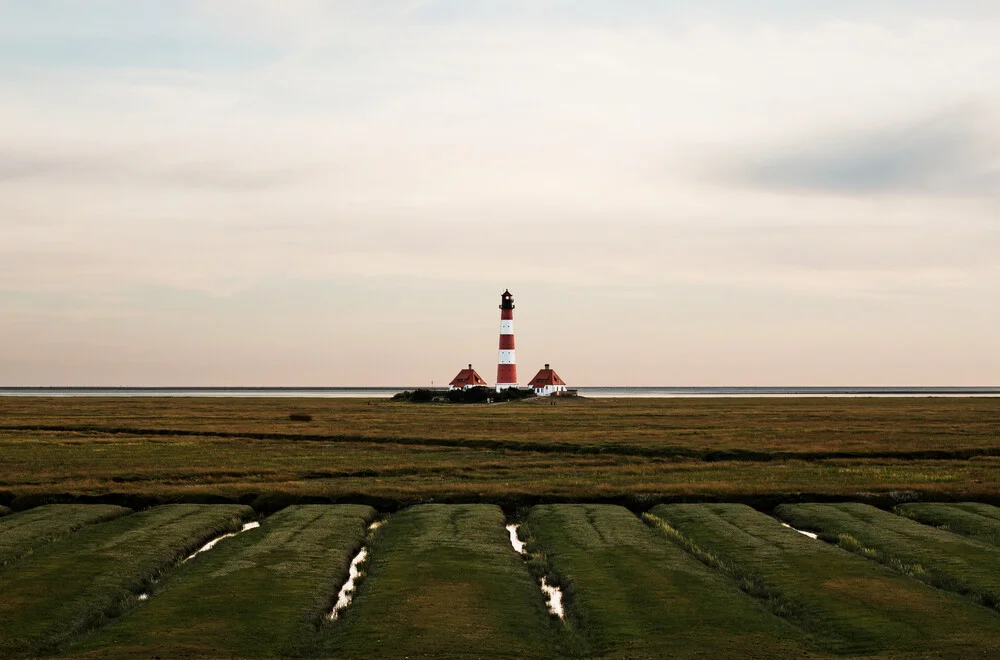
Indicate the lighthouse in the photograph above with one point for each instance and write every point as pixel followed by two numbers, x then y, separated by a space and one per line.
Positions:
pixel 506 365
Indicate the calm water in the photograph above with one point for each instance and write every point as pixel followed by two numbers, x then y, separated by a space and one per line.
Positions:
pixel 601 392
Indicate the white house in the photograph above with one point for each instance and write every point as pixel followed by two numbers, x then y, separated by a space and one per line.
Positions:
pixel 547 382
pixel 465 379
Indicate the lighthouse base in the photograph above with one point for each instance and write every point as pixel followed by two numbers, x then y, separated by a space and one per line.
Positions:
pixel 506 386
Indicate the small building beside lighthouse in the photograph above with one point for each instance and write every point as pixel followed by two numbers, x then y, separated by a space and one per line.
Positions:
pixel 547 382
pixel 466 379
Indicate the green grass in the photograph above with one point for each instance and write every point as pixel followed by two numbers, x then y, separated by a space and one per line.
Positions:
pixel 21 533
pixel 78 583
pixel 851 606
pixel 979 521
pixel 443 581
pixel 935 556
pixel 263 593
pixel 633 593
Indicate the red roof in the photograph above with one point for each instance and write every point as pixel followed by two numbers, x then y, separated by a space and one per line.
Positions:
pixel 467 378
pixel 545 377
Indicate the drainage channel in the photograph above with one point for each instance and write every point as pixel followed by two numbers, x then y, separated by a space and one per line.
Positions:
pixel 211 544
pixel 803 533
pixel 205 548
pixel 346 593
pixel 552 593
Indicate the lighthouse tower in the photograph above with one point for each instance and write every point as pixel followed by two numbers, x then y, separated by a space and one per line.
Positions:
pixel 506 366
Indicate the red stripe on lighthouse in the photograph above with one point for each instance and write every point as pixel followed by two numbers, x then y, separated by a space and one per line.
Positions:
pixel 506 342
pixel 507 375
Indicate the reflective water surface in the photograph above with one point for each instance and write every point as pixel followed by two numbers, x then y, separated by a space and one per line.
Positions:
pixel 809 534
pixel 211 544
pixel 553 595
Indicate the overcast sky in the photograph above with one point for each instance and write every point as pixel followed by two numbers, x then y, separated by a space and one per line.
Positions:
pixel 248 192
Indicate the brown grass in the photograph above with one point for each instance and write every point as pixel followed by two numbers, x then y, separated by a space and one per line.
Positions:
pixel 597 449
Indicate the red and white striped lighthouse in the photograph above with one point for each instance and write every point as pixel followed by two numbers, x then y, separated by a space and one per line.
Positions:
pixel 506 365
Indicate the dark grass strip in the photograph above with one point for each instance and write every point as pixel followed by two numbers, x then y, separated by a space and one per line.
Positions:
pixel 82 581
pixel 264 593
pixel 610 448
pixel 972 519
pixel 22 533
pixel 852 606
pixel 634 593
pixel 934 556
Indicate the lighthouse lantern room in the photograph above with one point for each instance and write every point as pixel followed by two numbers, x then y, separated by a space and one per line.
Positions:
pixel 506 364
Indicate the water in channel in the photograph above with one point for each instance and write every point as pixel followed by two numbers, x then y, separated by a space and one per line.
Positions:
pixel 809 534
pixel 208 546
pixel 211 544
pixel 353 574
pixel 552 593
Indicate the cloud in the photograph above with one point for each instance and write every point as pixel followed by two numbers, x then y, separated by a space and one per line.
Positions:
pixel 952 153
pixel 144 167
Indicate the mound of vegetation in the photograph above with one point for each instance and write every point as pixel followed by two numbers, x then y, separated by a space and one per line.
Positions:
pixel 96 574
pixel 471 395
pixel 261 594
pixel 851 605
pixel 444 582
pixel 935 556
pixel 23 532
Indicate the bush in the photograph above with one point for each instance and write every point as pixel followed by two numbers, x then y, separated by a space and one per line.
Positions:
pixel 471 395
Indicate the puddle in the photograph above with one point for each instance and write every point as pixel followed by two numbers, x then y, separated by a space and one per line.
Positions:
pixel 211 544
pixel 809 534
pixel 353 574
pixel 553 595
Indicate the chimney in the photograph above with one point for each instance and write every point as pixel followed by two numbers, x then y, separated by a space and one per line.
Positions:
pixel 470 367
pixel 546 365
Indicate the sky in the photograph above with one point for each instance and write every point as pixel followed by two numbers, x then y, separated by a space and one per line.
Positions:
pixel 323 192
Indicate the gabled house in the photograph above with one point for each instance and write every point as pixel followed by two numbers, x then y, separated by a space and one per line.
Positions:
pixel 465 379
pixel 547 382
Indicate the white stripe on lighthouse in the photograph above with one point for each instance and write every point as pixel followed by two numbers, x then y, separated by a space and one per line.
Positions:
pixel 506 357
pixel 506 327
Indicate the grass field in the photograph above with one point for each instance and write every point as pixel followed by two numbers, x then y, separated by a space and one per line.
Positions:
pixel 687 427
pixel 442 579
pixel 978 521
pixel 444 582
pixel 97 573
pixel 632 593
pixel 21 533
pixel 935 556
pixel 263 593
pixel 850 605
pixel 138 451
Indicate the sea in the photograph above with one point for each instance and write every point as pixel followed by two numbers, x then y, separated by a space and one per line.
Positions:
pixel 609 392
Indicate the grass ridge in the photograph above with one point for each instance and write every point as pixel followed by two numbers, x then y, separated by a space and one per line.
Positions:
pixel 747 582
